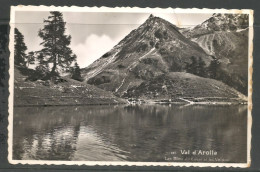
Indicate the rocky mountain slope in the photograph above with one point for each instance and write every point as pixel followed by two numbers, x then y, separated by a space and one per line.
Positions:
pixel 218 22
pixel 149 55
pixel 155 48
pixel 225 37
pixel 68 92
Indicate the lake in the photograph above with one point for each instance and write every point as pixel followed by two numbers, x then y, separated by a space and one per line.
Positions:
pixel 154 133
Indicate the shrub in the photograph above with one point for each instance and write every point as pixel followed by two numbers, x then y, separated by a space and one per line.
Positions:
pixel 158 34
pixel 150 61
pixel 99 80
pixel 163 51
pixel 157 45
pixel 142 47
pixel 152 43
pixel 165 34
pixel 120 66
pixel 106 55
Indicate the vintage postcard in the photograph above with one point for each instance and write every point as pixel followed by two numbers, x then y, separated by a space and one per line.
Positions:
pixel 130 86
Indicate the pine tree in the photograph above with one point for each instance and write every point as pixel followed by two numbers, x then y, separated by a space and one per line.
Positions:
pixel 56 43
pixel 30 59
pixel 40 59
pixel 76 74
pixel 196 67
pixel 213 68
pixel 43 68
pixel 191 67
pixel 201 70
pixel 19 48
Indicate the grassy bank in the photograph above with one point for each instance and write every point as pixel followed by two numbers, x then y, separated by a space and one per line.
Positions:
pixel 68 92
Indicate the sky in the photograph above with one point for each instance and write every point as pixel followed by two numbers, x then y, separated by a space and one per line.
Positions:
pixel 93 33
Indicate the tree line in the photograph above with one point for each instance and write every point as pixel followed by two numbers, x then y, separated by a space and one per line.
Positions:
pixel 198 67
pixel 55 57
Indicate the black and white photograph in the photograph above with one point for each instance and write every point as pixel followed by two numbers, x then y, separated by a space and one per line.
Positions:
pixel 130 86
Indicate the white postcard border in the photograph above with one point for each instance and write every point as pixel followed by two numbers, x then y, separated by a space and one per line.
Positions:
pixel 131 10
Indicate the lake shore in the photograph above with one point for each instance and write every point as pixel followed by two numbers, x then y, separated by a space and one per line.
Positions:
pixel 75 93
pixel 81 101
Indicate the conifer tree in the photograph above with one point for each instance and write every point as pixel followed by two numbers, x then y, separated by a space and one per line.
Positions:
pixel 43 68
pixel 56 44
pixel 19 48
pixel 76 74
pixel 196 67
pixel 30 59
pixel 201 70
pixel 191 67
pixel 213 68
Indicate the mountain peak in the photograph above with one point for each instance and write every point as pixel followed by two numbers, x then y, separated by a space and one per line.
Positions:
pixel 161 23
pixel 218 22
pixel 151 16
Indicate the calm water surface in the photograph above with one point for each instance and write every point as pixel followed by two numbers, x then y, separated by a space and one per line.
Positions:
pixel 130 133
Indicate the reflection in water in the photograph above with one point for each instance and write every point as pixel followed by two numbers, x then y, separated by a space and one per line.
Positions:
pixel 130 133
